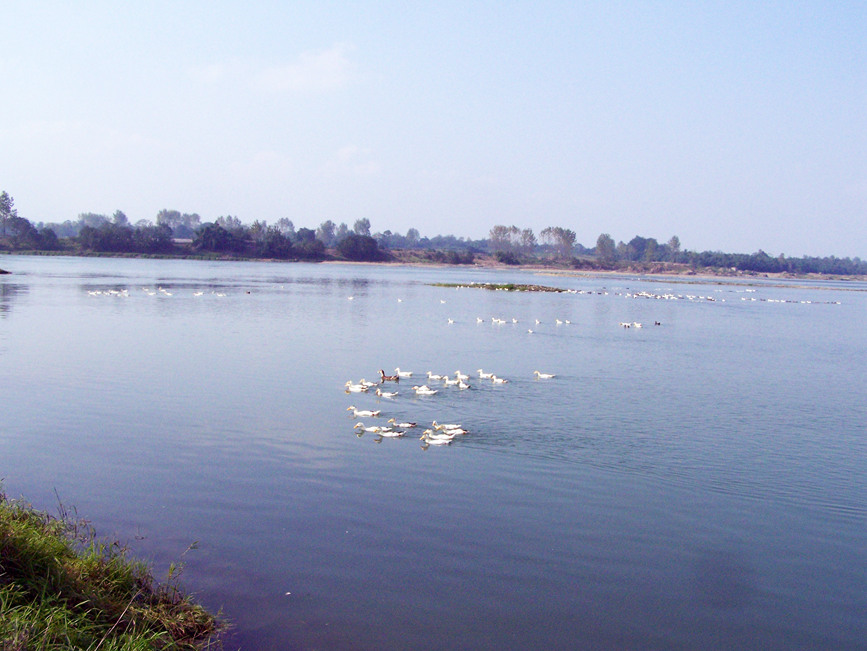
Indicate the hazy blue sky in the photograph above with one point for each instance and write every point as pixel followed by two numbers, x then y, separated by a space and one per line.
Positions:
pixel 734 125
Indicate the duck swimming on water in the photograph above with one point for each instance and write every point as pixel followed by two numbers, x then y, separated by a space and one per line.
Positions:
pixel 362 413
pixel 394 423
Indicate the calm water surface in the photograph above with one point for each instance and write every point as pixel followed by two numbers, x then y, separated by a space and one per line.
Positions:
pixel 698 484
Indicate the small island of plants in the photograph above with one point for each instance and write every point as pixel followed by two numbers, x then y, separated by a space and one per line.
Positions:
pixel 502 287
pixel 60 588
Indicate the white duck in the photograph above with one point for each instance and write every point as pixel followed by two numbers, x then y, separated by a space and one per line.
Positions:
pixel 386 394
pixel 430 434
pixel 355 388
pixel 441 426
pixel 371 428
pixel 363 413
pixel 403 373
pixel 390 433
pixel 428 440
pixel 485 376
pixel 461 376
pixel 394 423
pixel 543 376
pixel 424 390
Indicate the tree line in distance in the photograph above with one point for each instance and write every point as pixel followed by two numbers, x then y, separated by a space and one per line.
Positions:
pixel 183 234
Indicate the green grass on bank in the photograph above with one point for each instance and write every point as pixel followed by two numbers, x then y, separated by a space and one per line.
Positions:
pixel 61 588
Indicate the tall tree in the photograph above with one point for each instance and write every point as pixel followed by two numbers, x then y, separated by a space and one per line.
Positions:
pixel 651 250
pixel 325 233
pixel 182 225
pixel 229 223
pixel 362 227
pixel 286 227
pixel 500 238
pixel 565 241
pixel 358 247
pixel 119 218
pixel 605 248
pixel 93 220
pixel 514 237
pixel 640 248
pixel 528 241
pixel 562 239
pixel 22 233
pixel 7 211
pixel 213 237
pixel 257 230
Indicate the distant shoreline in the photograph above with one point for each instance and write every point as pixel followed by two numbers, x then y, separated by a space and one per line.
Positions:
pixel 671 275
pixel 673 272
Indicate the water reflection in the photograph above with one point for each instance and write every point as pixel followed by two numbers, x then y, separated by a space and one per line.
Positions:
pixel 9 292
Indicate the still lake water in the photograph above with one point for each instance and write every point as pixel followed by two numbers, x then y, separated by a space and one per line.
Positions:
pixel 698 484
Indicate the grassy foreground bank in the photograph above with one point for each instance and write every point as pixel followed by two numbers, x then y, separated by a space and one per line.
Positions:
pixel 61 588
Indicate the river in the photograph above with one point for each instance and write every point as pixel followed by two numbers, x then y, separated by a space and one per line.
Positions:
pixel 701 483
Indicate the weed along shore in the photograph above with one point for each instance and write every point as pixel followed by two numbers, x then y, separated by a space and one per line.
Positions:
pixel 61 588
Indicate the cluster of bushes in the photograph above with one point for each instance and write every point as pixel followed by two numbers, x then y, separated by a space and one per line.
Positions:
pixel 359 248
pixel 761 262
pixel 116 238
pixel 451 257
pixel 258 242
pixel 648 250
pixel 18 233
pixel 507 257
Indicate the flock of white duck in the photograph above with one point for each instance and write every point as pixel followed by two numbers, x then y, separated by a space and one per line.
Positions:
pixel 438 433
pixel 495 320
pixel 150 291
pixel 669 296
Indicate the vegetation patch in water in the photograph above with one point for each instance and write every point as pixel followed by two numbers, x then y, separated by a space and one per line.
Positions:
pixel 502 287
pixel 60 588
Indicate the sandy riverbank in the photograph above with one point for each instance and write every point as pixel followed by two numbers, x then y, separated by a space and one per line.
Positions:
pixel 669 272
